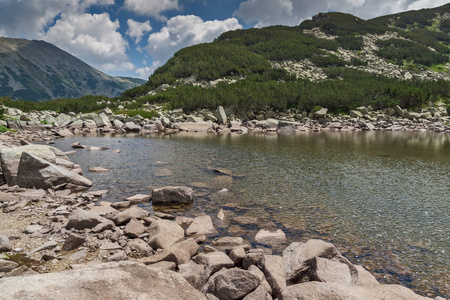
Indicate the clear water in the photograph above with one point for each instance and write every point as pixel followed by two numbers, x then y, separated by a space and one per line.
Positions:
pixel 382 198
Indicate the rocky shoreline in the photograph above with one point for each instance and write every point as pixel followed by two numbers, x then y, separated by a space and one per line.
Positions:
pixel 118 250
pixel 433 118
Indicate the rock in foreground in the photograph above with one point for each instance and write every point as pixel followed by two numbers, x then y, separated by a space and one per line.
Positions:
pixel 124 280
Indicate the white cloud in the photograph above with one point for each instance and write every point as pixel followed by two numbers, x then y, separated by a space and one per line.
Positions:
pixel 144 72
pixel 91 37
pixel 184 31
pixel 28 18
pixel 426 3
pixel 293 12
pixel 136 29
pixel 151 7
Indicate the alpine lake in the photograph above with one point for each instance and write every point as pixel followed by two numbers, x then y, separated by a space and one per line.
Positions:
pixel 383 198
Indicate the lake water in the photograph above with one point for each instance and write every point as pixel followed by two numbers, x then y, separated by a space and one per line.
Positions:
pixel 383 198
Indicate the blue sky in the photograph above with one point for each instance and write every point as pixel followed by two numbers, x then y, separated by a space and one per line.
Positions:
pixel 134 37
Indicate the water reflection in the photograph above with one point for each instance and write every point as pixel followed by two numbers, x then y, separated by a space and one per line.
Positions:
pixel 382 197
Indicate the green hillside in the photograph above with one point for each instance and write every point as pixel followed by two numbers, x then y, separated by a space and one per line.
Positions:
pixel 414 47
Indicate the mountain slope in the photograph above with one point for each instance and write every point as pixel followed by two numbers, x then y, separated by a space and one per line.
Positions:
pixel 37 71
pixel 331 46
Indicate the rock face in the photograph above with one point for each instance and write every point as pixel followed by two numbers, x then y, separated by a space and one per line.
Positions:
pixel 35 166
pixel 173 194
pixel 10 158
pixel 34 172
pixel 124 280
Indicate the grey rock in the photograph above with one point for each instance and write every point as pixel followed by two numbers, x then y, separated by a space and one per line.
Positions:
pixel 5 244
pixel 297 255
pixel 270 238
pixel 134 228
pixel 253 257
pixel 220 115
pixel 138 248
pixel 237 255
pixel 30 229
pixel 6 265
pixel 139 198
pixel 123 280
pixel 321 113
pixel 201 225
pixel 164 233
pixel 126 215
pixel 259 294
pixel 131 127
pixel 193 273
pixel 275 274
pixel 321 290
pixel 172 194
pixel 73 242
pixel 34 172
pixel 356 114
pixel 46 246
pixel 82 219
pixel 214 260
pixel 231 284
pixel 33 195
pixel 182 252
pixel 326 270
pixel 163 265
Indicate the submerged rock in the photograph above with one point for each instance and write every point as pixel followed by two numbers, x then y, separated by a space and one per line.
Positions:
pixel 172 195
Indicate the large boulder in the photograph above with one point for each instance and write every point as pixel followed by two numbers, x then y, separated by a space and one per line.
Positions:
pixel 221 116
pixel 214 260
pixel 35 172
pixel 123 280
pixel 314 290
pixel 172 195
pixel 10 158
pixel 297 257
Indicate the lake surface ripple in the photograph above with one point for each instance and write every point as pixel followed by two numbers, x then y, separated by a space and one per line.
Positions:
pixel 381 197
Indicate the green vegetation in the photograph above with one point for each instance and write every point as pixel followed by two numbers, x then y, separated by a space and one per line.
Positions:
pixel 135 112
pixel 356 89
pixel 398 50
pixel 3 129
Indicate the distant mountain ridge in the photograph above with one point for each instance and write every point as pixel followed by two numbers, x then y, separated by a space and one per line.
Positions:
pixel 38 71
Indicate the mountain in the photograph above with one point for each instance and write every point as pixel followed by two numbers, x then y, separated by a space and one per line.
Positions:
pixel 38 71
pixel 335 60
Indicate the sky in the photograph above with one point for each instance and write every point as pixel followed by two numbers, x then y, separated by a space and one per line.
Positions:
pixel 134 37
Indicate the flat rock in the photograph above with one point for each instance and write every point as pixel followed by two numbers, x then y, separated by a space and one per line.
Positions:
pixel 98 169
pixel 201 225
pixel 164 233
pixel 126 215
pixel 122 280
pixel 320 290
pixel 214 260
pixel 82 219
pixel 172 194
pixel 30 229
pixel 270 238
pixel 139 198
